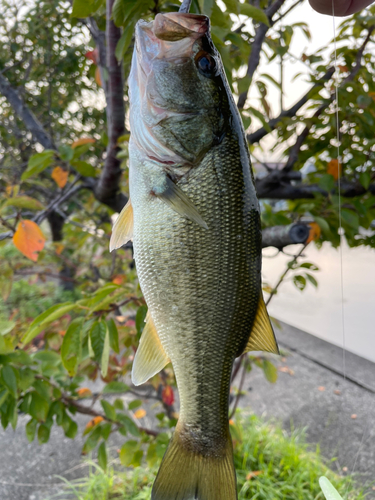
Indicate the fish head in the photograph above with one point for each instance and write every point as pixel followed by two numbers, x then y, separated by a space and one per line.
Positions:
pixel 178 92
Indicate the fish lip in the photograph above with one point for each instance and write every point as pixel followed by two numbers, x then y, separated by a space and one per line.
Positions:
pixel 175 26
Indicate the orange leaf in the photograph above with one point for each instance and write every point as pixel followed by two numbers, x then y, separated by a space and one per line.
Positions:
pixel 343 69
pixel 29 239
pixel 315 232
pixel 83 140
pixel 354 416
pixel 98 77
pixel 168 395
pixel 321 388
pixel 60 176
pixel 119 279
pixel 334 168
pixel 84 392
pixel 93 422
pixel 372 95
pixel 93 55
pixel 253 474
pixel 140 413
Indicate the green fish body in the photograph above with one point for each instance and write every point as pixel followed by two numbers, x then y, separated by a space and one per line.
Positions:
pixel 195 222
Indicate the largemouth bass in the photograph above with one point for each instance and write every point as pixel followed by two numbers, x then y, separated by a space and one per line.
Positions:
pixel 195 223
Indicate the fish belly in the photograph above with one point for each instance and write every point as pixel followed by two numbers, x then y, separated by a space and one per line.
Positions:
pixel 201 286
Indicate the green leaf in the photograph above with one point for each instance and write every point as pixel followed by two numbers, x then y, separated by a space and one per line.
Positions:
pixel 3 396
pixel 124 42
pixel 350 218
pixel 329 490
pixel 206 6
pixel 255 13
pixel 6 326
pixel 128 423
pixel 71 430
pixel 312 280
pixel 85 8
pixel 38 407
pixel 71 349
pixel 327 182
pixel 140 319
pixel 300 282
pixel 84 168
pixel 66 152
pixel 92 440
pixel 12 413
pixel 9 379
pixel 365 179
pixel 24 202
pixel 43 388
pixel 232 6
pixel 113 335
pixel 114 387
pixel 323 224
pixel 135 404
pixel 53 313
pixel 38 163
pixel 31 429
pixel 102 456
pixel 105 355
pixel 97 336
pixel 43 433
pixel 109 410
pixel 270 371
pixel 127 452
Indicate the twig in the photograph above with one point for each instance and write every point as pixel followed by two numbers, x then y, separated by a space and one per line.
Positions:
pixel 236 401
pixel 282 277
pixel 256 48
pixel 185 6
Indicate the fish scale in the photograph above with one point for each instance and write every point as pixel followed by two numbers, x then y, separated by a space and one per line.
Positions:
pixel 194 269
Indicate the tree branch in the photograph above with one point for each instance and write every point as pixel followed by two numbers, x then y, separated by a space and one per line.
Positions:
pixel 256 48
pixel 23 112
pixel 281 236
pixel 288 113
pixel 107 188
pixel 294 152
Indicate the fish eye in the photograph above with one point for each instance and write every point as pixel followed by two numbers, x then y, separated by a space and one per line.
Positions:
pixel 205 63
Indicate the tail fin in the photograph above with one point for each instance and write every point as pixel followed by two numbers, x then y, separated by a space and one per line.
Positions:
pixel 186 474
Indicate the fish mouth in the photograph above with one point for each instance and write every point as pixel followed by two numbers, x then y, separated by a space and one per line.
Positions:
pixel 175 26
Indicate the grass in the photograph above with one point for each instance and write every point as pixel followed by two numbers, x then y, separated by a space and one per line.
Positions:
pixel 270 466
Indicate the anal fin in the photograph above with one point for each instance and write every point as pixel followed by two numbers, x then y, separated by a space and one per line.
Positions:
pixel 150 357
pixel 122 230
pixel 262 337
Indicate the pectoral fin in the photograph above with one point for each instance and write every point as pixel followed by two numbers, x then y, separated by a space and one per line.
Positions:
pixel 122 230
pixel 262 337
pixel 175 198
pixel 150 357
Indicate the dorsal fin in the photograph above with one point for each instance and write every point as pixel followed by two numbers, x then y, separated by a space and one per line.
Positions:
pixel 150 357
pixel 262 337
pixel 122 230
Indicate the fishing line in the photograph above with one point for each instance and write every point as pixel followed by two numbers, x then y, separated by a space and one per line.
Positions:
pixel 339 163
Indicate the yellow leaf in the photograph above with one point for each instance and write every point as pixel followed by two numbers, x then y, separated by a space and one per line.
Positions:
pixel 59 247
pixel 334 168
pixel 97 77
pixel 315 232
pixel 60 176
pixel 83 140
pixel 140 413
pixel 12 190
pixel 29 239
